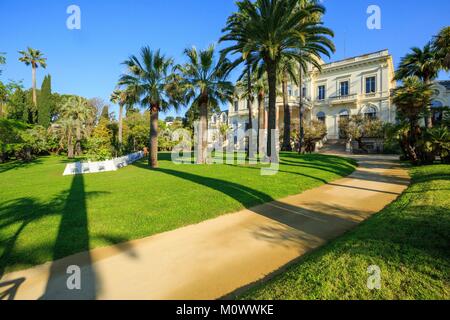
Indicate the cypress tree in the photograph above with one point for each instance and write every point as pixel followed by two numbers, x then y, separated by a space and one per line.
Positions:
pixel 44 103
pixel 105 113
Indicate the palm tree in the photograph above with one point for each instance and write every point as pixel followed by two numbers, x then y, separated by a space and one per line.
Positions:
pixel 441 45
pixel 80 115
pixel 287 72
pixel 265 31
pixel 64 128
pixel 422 63
pixel 245 90
pixel 35 59
pixel 149 77
pixel 410 99
pixel 203 82
pixel 261 88
pixel 124 98
pixel 2 60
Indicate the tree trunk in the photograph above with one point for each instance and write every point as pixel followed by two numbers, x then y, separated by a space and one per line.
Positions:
pixel 250 154
pixel 154 116
pixel 272 79
pixel 412 142
pixel 203 132
pixel 78 151
pixel 301 115
pixel 260 119
pixel 287 117
pixel 70 153
pixel 120 126
pixel 33 77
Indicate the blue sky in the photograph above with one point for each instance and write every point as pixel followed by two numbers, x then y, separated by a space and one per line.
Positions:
pixel 87 62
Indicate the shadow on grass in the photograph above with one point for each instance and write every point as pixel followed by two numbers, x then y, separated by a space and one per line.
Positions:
pixel 14 165
pixel 409 240
pixel 72 238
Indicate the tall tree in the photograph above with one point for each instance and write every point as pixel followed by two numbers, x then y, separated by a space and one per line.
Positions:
pixel 149 77
pixel 44 103
pixel 245 90
pixel 265 31
pixel 2 60
pixel 35 58
pixel 78 115
pixel 287 74
pixel 410 99
pixel 105 112
pixel 203 81
pixel 124 98
pixel 422 63
pixel 441 45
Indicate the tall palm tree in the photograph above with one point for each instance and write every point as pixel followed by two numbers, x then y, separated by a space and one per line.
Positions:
pixel 245 90
pixel 265 31
pixel 261 88
pixel 422 63
pixel 410 99
pixel 441 45
pixel 35 58
pixel 149 76
pixel 124 98
pixel 287 72
pixel 203 80
pixel 2 60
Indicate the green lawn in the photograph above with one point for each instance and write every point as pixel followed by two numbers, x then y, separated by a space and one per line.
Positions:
pixel 409 241
pixel 45 216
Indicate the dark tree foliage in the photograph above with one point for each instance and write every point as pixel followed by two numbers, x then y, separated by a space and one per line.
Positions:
pixel 45 103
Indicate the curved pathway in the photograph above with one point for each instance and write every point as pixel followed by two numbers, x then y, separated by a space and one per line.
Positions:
pixel 219 257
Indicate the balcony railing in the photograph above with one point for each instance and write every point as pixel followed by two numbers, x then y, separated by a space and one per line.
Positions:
pixel 344 98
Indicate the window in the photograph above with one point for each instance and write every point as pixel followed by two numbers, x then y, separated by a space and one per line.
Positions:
pixel 344 114
pixel 321 92
pixel 370 113
pixel 344 88
pixel 236 106
pixel 437 111
pixel 370 85
pixel 304 92
pixel 290 91
pixel 321 116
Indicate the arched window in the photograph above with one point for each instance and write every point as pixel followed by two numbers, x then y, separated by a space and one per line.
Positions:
pixel 436 109
pixel 213 119
pixel 224 118
pixel 321 116
pixel 344 114
pixel 370 112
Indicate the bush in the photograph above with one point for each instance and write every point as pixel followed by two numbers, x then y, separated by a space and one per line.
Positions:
pixel 22 141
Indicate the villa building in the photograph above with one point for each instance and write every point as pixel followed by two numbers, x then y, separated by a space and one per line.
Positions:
pixel 358 85
pixel 441 98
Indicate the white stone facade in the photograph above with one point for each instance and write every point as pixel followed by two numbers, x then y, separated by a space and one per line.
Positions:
pixel 358 85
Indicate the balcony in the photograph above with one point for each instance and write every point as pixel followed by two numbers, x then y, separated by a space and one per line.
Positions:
pixel 340 99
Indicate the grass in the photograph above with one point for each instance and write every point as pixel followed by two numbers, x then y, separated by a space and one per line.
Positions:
pixel 45 216
pixel 409 240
